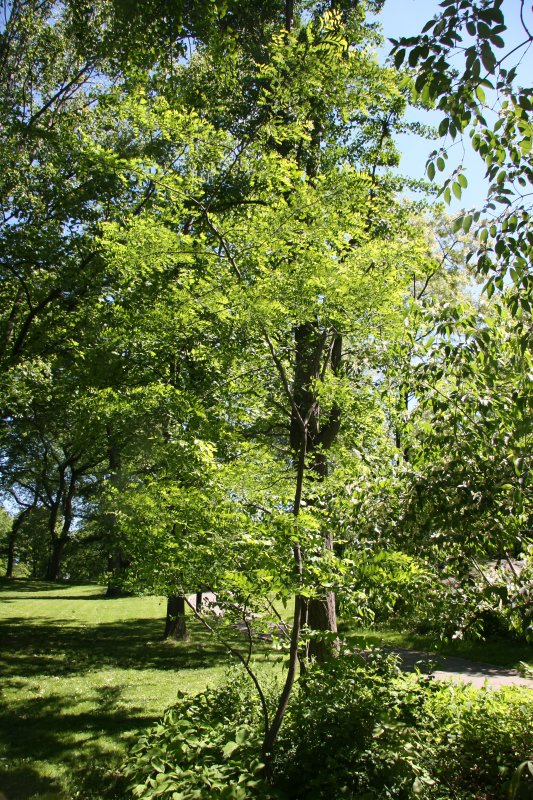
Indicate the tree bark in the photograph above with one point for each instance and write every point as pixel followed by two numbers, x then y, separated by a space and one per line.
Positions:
pixel 315 351
pixel 53 572
pixel 64 501
pixel 12 540
pixel 117 562
pixel 175 624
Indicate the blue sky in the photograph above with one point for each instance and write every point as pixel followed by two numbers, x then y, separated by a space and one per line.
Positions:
pixel 407 18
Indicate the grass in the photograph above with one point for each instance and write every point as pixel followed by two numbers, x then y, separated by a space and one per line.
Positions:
pixel 80 676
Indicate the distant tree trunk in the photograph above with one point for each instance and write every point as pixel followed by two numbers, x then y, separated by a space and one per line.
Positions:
pixel 64 500
pixel 175 625
pixel 56 545
pixel 117 562
pixel 199 598
pixel 12 540
pixel 53 573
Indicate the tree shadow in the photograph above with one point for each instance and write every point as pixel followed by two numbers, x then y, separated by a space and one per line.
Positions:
pixel 33 585
pixel 44 646
pixel 55 728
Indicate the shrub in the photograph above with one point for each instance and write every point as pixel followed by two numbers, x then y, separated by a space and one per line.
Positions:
pixel 479 739
pixel 356 729
pixel 205 747
pixel 352 732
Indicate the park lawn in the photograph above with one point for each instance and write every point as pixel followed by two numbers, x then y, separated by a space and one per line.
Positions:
pixel 80 675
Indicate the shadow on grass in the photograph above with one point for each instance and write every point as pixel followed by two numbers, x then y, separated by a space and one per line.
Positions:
pixel 51 647
pixel 56 597
pixel 59 729
pixel 32 585
pixel 53 728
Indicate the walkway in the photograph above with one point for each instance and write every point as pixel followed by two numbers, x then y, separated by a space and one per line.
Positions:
pixel 459 669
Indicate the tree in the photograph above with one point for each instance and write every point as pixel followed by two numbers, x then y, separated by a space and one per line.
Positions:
pixel 477 88
pixel 282 225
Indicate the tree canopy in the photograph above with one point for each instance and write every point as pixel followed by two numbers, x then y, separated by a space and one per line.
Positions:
pixel 235 349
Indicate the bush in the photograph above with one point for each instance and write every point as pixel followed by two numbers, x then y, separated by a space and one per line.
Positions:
pixel 353 732
pixel 205 747
pixel 363 730
pixel 355 729
pixel 479 739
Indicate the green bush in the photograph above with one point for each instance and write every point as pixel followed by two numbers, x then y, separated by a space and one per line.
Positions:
pixel 363 730
pixel 352 732
pixel 479 739
pixel 355 729
pixel 205 747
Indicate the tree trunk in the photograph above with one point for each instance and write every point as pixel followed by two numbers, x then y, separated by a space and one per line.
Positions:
pixel 53 572
pixel 12 540
pixel 175 625
pixel 65 499
pixel 314 350
pixel 117 563
pixel 322 616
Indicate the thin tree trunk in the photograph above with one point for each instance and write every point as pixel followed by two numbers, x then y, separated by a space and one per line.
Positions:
pixel 272 733
pixel 117 563
pixel 315 351
pixel 175 624
pixel 56 548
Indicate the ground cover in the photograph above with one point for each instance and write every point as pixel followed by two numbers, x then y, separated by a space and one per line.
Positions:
pixel 80 675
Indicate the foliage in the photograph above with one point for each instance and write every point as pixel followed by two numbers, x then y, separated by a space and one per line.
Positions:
pixel 462 66
pixel 479 738
pixel 198 751
pixel 376 733
pixel 356 728
pixel 467 498
pixel 209 286
pixel 356 720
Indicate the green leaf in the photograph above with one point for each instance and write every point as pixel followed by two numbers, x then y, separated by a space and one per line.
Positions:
pixel 487 57
pixel 480 94
pixel 229 748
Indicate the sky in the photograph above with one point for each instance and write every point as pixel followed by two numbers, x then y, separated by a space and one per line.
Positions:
pixel 407 18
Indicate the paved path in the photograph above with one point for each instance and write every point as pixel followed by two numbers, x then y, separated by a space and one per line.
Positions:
pixel 474 672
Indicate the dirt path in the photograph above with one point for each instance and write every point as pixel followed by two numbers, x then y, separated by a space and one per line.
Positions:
pixel 459 669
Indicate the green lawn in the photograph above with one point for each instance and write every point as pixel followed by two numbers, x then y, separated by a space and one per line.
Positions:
pixel 80 675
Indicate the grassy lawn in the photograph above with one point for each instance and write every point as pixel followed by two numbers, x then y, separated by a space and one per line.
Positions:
pixel 80 675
